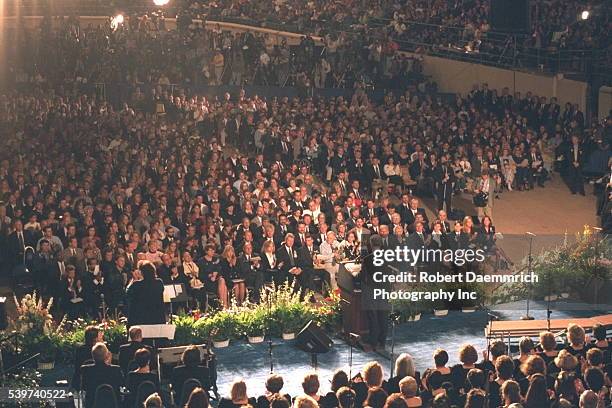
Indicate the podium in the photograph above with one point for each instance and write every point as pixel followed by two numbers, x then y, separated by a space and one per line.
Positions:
pixel 353 318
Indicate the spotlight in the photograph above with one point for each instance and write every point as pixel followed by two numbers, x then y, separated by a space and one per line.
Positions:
pixel 116 21
pixel 585 15
pixel 160 3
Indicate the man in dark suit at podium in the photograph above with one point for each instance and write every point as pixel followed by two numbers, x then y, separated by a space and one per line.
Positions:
pixel 376 309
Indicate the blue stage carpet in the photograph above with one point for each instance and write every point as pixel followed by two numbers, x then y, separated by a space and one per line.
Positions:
pixel 420 339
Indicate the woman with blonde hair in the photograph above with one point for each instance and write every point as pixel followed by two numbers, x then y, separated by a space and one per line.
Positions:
pixel 404 367
pixel 576 337
pixel 229 266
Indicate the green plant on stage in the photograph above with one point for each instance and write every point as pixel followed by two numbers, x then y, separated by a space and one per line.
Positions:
pixel 115 332
pixel 579 268
pixel 224 325
pixel 251 322
pixel 184 332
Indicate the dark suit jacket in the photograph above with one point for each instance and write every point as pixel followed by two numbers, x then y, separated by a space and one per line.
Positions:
pixel 304 259
pixel 182 373
pixel 134 379
pixel 283 256
pixel 94 375
pixel 81 357
pixel 127 351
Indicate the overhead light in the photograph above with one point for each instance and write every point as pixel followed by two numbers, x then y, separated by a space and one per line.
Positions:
pixel 160 3
pixel 116 21
pixel 585 15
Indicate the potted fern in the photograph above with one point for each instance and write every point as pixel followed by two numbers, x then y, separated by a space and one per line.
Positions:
pixel 291 319
pixel 223 328
pixel 254 325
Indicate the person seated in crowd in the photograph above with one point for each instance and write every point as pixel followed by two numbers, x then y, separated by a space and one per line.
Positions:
pixel 396 401
pixel 537 394
pixel 346 397
pixel 274 385
pixel 404 367
pixel 93 335
pixel 190 367
pixel 99 373
pixel 468 356
pixel 142 373
pixel 376 398
pixel 211 269
pixel 600 341
pixel 154 401
pixel 510 393
pixel 504 370
pixel 128 350
pixel 409 390
pixel 548 346
pixel 310 386
pixel 238 397
pixel 440 358
pixel 526 349
pixel 198 399
pixel 370 377
pixel 577 341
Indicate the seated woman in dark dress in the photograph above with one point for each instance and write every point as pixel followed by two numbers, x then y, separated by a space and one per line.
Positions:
pixel 238 396
pixel 440 357
pixel 143 373
pixel 211 274
pixel 231 273
pixel 468 357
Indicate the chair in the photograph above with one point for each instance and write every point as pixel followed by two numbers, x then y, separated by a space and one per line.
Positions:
pixel 189 385
pixel 145 389
pixel 105 397
pixel 132 365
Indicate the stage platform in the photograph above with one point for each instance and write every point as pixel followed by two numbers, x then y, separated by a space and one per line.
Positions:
pixel 532 328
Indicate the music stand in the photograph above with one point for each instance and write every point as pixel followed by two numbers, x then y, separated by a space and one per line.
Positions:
pixel 175 294
pixel 158 331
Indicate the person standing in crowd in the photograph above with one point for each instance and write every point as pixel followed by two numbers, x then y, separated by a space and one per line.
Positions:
pixel 145 298
pixel 575 160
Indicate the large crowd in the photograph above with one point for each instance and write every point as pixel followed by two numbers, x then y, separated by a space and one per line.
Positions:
pixel 141 51
pixel 436 26
pixel 548 374
pixel 204 186
pixel 224 195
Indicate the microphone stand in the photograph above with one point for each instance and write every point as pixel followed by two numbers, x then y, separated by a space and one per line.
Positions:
pixel 548 311
pixel 394 317
pixel 529 261
pixel 352 341
pixel 270 352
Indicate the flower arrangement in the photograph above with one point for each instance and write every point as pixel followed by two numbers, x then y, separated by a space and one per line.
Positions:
pixel 329 313
pixel 579 268
pixel 33 316
pixel 281 310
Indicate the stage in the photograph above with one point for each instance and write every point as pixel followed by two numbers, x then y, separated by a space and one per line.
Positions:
pixel 420 339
